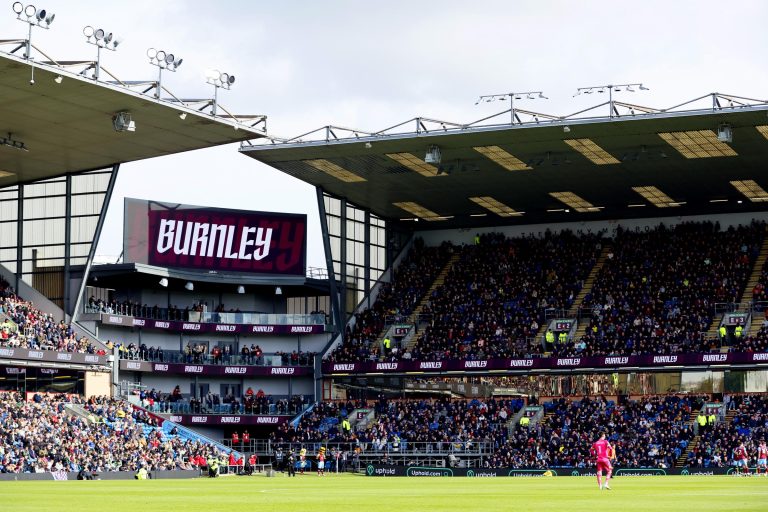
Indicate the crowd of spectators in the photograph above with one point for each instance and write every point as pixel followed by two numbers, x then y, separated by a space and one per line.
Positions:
pixel 749 424
pixel 395 302
pixel 652 431
pixel 494 299
pixel 23 325
pixel 40 435
pixel 649 432
pixel 656 293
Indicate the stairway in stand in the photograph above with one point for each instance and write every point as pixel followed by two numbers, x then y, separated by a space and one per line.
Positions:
pixel 683 458
pixel 589 282
pixel 747 297
pixel 439 280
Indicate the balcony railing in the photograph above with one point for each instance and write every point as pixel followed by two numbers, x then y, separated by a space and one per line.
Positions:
pixel 184 315
pixel 168 356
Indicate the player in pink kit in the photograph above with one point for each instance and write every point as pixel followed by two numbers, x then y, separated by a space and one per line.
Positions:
pixel 762 458
pixel 602 451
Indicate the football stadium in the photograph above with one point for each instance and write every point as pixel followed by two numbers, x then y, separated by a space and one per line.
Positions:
pixel 531 309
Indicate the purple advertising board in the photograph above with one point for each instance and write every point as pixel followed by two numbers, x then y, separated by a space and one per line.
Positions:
pixel 199 327
pixel 216 369
pixel 50 356
pixel 227 420
pixel 214 239
pixel 666 362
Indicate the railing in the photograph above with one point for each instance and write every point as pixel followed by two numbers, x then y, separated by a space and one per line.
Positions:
pixel 285 359
pixel 249 317
pixel 238 409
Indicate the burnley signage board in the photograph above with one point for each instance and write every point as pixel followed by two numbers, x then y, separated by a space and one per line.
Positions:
pixel 663 362
pixel 228 420
pixel 50 356
pixel 215 370
pixel 200 327
pixel 214 239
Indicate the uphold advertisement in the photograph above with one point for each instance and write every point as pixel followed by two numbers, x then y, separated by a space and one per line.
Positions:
pixel 378 470
pixel 206 239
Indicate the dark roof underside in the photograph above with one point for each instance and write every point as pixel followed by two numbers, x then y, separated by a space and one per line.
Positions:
pixel 645 159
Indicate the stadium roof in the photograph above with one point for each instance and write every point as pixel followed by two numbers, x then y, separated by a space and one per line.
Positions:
pixel 638 162
pixel 67 127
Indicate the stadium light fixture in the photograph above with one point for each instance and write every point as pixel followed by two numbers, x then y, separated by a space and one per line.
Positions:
pixel 164 282
pixel 58 79
pixel 592 151
pixel 698 144
pixel 415 164
pixel 182 115
pixel 34 17
pixel 655 196
pixel 495 206
pixel 163 60
pixel 418 210
pixel 529 95
pixel 10 142
pixel 100 38
pixel 278 290
pixel 334 170
pixel 751 190
pixel 576 202
pixel 218 80
pixel 190 286
pixel 241 289
pixel 611 88
pixel 503 158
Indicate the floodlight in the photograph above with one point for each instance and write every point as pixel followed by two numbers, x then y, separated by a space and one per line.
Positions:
pixel 58 79
pixel 278 290
pixel 163 60
pixel 218 80
pixel 241 289
pixel 164 282
pixel 30 10
pixel 99 34
pixel 118 40
pixel 190 286
pixel 49 19
pixel 182 115
pixel 108 38
pixel 88 31
pixel 40 15
pixel 18 7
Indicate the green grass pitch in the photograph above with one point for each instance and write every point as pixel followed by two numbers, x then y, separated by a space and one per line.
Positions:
pixel 373 494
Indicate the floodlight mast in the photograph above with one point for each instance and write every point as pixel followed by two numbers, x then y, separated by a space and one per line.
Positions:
pixel 34 17
pixel 100 39
pixel 611 89
pixel 163 60
pixel 218 80
pixel 530 95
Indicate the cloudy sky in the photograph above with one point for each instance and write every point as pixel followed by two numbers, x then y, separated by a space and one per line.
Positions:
pixel 370 65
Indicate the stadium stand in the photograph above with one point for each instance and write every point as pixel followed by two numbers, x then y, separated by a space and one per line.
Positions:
pixel 747 421
pixel 657 293
pixel 397 299
pixel 46 434
pixel 493 301
pixel 23 325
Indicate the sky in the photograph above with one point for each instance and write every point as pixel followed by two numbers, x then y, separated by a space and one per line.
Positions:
pixel 370 65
